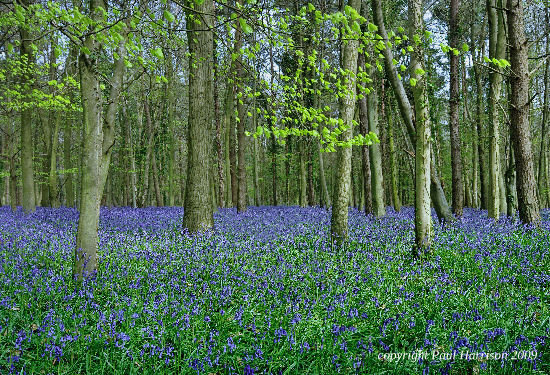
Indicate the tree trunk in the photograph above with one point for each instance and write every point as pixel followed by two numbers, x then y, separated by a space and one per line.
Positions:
pixel 423 217
pixel 52 176
pixel 365 159
pixel 257 193
pixel 437 194
pixel 27 174
pixel 303 177
pixel 528 204
pixel 98 140
pixel 393 161
pixel 233 154
pixel 219 148
pixel 375 156
pixel 544 188
pixel 511 185
pixel 454 101
pixel 497 49
pixel 241 139
pixel 339 218
pixel 198 207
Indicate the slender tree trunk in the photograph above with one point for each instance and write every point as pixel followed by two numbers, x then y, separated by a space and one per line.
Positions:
pixel 303 177
pixel 288 149
pixel 310 186
pixel 528 204
pixel 454 101
pixel 437 194
pixel 219 148
pixel 233 155
pixel 497 49
pixel 483 181
pixel 423 217
pixel 241 139
pixel 511 185
pixel 544 188
pixel 393 161
pixel 257 193
pixel 363 128
pixel 27 174
pixel 339 218
pixel 198 206
pixel 156 182
pixel 52 177
pixel 375 155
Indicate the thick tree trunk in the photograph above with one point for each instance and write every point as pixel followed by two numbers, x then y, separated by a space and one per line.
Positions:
pixel 528 204
pixel 339 218
pixel 423 217
pixel 87 237
pixel 198 206
pixel 98 139
pixel 454 101
pixel 27 174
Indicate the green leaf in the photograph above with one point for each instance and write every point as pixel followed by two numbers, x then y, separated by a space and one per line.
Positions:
pixel 244 26
pixel 413 82
pixel 169 16
pixel 465 47
pixel 372 27
pixel 157 52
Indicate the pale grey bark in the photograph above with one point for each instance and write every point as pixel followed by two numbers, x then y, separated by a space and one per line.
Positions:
pixel 422 217
pixel 339 218
pixel 497 49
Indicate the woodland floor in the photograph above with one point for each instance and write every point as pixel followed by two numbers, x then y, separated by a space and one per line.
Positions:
pixel 264 292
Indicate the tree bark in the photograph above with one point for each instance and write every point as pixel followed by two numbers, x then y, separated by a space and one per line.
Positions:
pixel 219 148
pixel 497 49
pixel 454 101
pixel 528 204
pixel 375 155
pixel 27 174
pixel 198 206
pixel 423 217
pixel 339 218
pixel 365 159
pixel 98 140
pixel 393 161
pixel 242 186
pixel 544 188
pixel 438 197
